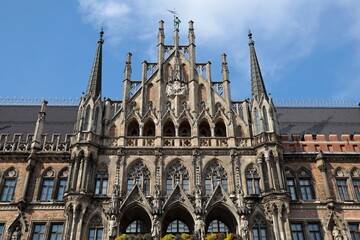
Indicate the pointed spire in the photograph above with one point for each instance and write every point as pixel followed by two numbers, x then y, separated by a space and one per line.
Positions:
pixel 161 34
pixel 257 83
pixel 224 68
pixel 94 85
pixel 191 35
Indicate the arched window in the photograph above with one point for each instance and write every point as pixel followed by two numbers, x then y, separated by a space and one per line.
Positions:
pixel 96 229
pixel 204 129
pixel 220 129
pixel 342 184
pixel 177 226
pixel 215 174
pixel 47 185
pixel 184 129
pixel 169 129
pixel 291 183
pixel 217 226
pixel 149 128
pixel 265 119
pixel 87 119
pixel 140 175
pixel 133 128
pixel 136 227
pixel 305 185
pixel 252 180
pixel 8 185
pixel 257 122
pixel 355 175
pixel 259 229
pixel 101 181
pixel 63 178
pixel 177 174
pixel 96 118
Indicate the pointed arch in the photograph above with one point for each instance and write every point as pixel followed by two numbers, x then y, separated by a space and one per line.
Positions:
pixel 176 174
pixel 185 128
pixel 204 128
pixel 87 118
pixel 259 228
pixel 220 128
pixel 96 228
pixel 96 118
pixel 252 179
pixel 8 184
pixel 101 180
pixel 220 219
pixel 149 128
pixel 61 183
pixel 291 183
pixel 47 185
pixel 133 128
pixel 135 220
pixel 215 174
pixel 177 220
pixel 306 183
pixel 265 119
pixel 138 174
pixel 169 128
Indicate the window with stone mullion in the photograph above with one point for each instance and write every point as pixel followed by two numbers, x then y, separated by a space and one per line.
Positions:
pixel 297 231
pixel 252 181
pixel 215 174
pixel 101 181
pixel 139 175
pixel 259 229
pixel 314 231
pixel 177 175
pixel 356 183
pixel 343 189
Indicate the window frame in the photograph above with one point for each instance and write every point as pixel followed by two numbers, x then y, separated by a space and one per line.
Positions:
pixel 101 177
pixel 357 237
pixel 215 174
pixel 253 179
pixel 9 175
pixel 2 233
pixel 138 174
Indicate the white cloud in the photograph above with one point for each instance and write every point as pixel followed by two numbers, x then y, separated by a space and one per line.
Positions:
pixel 283 30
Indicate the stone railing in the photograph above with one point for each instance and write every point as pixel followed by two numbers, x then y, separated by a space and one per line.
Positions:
pixel 22 143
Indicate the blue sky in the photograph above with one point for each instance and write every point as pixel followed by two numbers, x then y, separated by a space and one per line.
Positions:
pixel 307 49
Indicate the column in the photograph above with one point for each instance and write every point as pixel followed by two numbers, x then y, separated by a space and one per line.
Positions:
pixel 262 182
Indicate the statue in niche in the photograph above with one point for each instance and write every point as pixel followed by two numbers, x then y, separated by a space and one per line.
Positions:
pixel 112 226
pixel 198 203
pixel 337 233
pixel 176 83
pixel 244 226
pixel 16 234
pixel 200 228
pixel 157 201
pixel 240 199
pixel 155 230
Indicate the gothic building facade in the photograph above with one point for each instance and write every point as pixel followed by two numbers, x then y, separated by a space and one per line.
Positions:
pixel 178 155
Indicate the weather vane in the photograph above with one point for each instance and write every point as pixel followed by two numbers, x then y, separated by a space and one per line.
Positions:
pixel 176 19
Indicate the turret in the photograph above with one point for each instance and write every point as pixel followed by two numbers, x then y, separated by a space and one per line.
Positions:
pixel 225 79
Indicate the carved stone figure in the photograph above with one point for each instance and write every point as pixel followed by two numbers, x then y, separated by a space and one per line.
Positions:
pixel 198 202
pixel 157 201
pixel 176 23
pixel 155 230
pixel 240 199
pixel 16 234
pixel 112 226
pixel 244 226
pixel 200 228
pixel 337 233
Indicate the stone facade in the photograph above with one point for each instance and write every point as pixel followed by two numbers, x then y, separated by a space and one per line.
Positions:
pixel 177 154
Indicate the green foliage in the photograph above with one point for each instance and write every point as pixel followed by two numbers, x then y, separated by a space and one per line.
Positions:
pixel 134 237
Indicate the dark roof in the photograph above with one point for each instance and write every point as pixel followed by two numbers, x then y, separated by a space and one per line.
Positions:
pixel 318 120
pixel 22 119
pixel 292 120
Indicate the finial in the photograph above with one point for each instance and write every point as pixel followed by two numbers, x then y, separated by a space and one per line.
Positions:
pixel 250 34
pixel 161 24
pixel 101 35
pixel 223 57
pixel 128 58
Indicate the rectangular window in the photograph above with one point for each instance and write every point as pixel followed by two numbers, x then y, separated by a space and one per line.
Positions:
pixel 185 185
pixel 2 228
pixel 249 186
pixel 314 231
pixel 47 189
pixel 100 186
pixel 292 190
pixel 354 231
pixel 259 233
pixel 357 189
pixel 343 189
pixel 95 234
pixel 146 187
pixel 38 232
pixel 224 184
pixel 8 190
pixel 305 189
pixel 297 231
pixel 61 189
pixel 130 185
pixel 56 231
pixel 256 185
